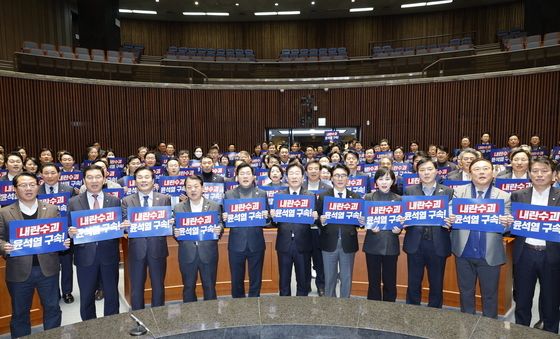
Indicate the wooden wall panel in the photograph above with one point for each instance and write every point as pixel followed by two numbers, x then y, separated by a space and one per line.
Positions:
pixel 47 21
pixel 268 38
pixel 69 116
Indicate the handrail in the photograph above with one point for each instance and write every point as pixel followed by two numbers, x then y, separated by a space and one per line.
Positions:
pixel 384 42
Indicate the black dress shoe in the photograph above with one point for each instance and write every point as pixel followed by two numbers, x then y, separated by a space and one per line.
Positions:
pixel 99 295
pixel 321 292
pixel 539 325
pixel 68 298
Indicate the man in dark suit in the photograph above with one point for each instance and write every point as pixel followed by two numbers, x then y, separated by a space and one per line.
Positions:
pixel 96 259
pixel 206 166
pixel 315 184
pixel 466 157
pixel 339 242
pixel 50 174
pixel 479 255
pixel 198 256
pixel 293 241
pixel 14 165
pixel 427 246
pixel 26 273
pixel 535 258
pixel 146 252
pixel 246 244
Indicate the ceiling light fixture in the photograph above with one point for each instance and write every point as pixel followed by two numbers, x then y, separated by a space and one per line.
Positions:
pixel 289 13
pixel 123 10
pixel 415 4
pixel 312 2
pixel 141 11
pixel 207 13
pixel 265 13
pixel 194 13
pixel 440 2
pixel 362 9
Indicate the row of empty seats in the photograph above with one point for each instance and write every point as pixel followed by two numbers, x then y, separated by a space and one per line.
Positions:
pixel 210 54
pixel 533 41
pixel 135 49
pixel 456 44
pixel 79 53
pixel 313 54
pixel 504 35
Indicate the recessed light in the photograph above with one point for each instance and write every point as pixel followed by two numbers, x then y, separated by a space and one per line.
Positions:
pixel 196 3
pixel 123 10
pixel 275 4
pixel 265 13
pixel 362 9
pixel 194 13
pixel 237 4
pixel 289 13
pixel 136 11
pixel 415 4
pixel 313 2
pixel 440 2
pixel 217 13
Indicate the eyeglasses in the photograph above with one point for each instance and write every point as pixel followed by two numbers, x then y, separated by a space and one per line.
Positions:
pixel 340 176
pixel 27 185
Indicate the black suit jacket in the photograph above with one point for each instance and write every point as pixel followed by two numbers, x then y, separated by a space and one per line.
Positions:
pixel 383 242
pixel 207 250
pixel 552 248
pixel 301 232
pixel 214 178
pixel 84 254
pixel 241 238
pixel 329 232
pixel 155 247
pixel 61 188
pixel 440 235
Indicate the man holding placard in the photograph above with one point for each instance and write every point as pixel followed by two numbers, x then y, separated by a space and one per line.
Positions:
pixel 427 245
pixel 245 212
pixel 339 210
pixel 94 257
pixel 148 225
pixel 198 253
pixel 476 238
pixel 51 174
pixel 535 257
pixel 39 269
pixel 294 242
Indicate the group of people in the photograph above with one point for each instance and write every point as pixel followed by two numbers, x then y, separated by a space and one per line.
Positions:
pixel 327 247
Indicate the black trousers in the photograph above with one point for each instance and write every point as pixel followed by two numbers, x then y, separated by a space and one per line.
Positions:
pixel 382 268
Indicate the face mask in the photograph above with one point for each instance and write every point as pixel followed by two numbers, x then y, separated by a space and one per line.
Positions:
pixel 198 154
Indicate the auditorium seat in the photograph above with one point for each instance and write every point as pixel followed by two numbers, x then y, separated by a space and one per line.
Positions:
pixel 533 41
pixel 98 52
pixel 68 55
pixel 551 39
pixel 455 42
pixel 63 48
pixel 397 51
pixel 48 47
pixel 81 50
pixel 97 57
pixel 28 45
pixel 52 53
pixel 36 51
pixel 408 51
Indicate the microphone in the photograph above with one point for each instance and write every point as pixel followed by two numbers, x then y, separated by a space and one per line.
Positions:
pixel 140 328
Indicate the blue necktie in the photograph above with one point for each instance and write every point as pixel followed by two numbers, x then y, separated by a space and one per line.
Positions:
pixel 146 203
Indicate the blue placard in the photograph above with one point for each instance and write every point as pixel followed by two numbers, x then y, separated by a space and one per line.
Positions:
pixel 410 179
pixel 533 221
pixel 455 183
pixel 401 168
pixel 230 171
pixel 271 191
pixel 332 136
pixel 370 169
pixel 219 170
pixel 342 211
pixel 442 172
pixel 190 171
pixel 60 200
pixel 297 209
pixel 555 153
pixel 197 226
pixel 149 221
pixel 37 236
pixel 386 154
pixel 512 185
pixel 256 162
pixel 382 214
pixel 499 156
pixel 72 179
pixel 3 172
pixel 245 212
pixel 129 185
pixel 478 214
pixel 97 225
pixel 114 174
pixel 159 171
pixel 231 185
pixel 7 193
pixel 117 163
pixel 115 192
pixel 425 210
pixel 163 159
pixel 358 184
pixel 173 186
pixel 195 163
pixel 214 191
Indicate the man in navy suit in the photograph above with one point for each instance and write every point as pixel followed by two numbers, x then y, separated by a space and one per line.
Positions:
pixel 50 174
pixel 146 253
pixel 96 259
pixel 293 241
pixel 198 256
pixel 206 166
pixel 535 258
pixel 427 246
pixel 246 244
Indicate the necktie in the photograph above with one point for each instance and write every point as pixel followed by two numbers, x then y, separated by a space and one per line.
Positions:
pixel 294 193
pixel 339 229
pixel 96 205
pixel 146 203
pixel 51 189
pixel 480 194
pixel 340 194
